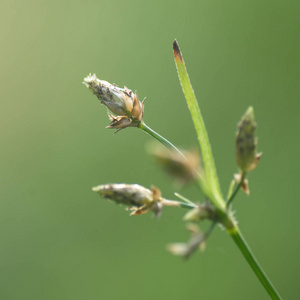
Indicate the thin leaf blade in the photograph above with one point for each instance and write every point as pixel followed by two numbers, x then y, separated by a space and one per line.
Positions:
pixel 202 135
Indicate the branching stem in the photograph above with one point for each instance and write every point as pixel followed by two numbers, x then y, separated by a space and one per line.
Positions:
pixel 234 232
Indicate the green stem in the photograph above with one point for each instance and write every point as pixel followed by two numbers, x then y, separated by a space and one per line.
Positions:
pixel 244 248
pixel 210 229
pixel 167 202
pixel 236 190
pixel 160 138
pixel 186 200
pixel 233 194
pixel 226 221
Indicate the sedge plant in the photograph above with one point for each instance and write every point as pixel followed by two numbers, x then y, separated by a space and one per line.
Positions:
pixel 185 167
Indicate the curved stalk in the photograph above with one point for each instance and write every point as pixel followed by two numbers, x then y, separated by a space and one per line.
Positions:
pixel 160 138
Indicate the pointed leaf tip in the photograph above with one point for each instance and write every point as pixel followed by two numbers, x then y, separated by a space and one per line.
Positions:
pixel 177 53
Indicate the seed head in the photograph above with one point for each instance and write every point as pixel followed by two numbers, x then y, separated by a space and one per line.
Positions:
pixel 246 142
pixel 139 199
pixel 184 169
pixel 121 102
pixel 197 240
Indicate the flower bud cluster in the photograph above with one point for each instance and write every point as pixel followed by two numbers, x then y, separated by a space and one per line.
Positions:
pixel 139 199
pixel 183 169
pixel 123 103
pixel 197 240
pixel 246 142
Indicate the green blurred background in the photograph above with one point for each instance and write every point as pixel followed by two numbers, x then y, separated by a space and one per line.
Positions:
pixel 59 240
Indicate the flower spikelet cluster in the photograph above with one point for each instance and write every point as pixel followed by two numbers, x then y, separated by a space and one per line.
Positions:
pixel 123 103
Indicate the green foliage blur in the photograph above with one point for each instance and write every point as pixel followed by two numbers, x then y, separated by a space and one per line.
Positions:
pixel 60 240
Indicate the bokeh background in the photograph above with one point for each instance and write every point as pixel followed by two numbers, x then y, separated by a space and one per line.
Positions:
pixel 59 240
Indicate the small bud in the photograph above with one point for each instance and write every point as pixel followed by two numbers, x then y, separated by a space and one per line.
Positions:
pixel 180 249
pixel 121 102
pixel 246 142
pixel 202 212
pixel 183 169
pixel 139 199
pixel 197 240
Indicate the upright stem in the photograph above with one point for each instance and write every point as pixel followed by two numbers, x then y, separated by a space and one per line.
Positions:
pixel 244 248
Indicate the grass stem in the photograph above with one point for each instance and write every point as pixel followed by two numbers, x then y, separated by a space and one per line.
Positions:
pixel 244 248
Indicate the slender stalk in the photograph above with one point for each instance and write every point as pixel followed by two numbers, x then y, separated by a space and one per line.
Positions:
pixel 236 190
pixel 183 198
pixel 160 138
pixel 233 194
pixel 244 248
pixel 231 186
pixel 167 202
pixel 210 229
pixel 198 240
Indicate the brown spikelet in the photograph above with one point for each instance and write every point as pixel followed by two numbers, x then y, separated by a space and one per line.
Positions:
pixel 128 99
pixel 119 122
pixel 136 109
